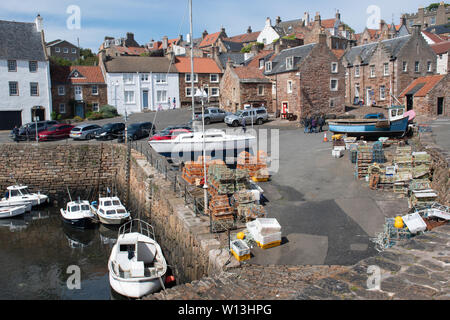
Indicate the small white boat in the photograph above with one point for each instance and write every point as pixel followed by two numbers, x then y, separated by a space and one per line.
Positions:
pixel 78 214
pixel 136 265
pixel 7 203
pixel 110 211
pixel 218 145
pixel 18 194
pixel 9 212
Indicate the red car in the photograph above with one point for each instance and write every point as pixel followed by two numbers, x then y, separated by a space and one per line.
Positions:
pixel 59 131
pixel 169 134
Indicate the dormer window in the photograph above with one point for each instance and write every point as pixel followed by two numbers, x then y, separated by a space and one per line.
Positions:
pixel 334 67
pixel 289 63
pixel 356 71
pixel 269 66
pixel 261 63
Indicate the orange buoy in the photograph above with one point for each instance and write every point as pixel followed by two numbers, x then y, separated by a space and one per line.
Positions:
pixel 170 279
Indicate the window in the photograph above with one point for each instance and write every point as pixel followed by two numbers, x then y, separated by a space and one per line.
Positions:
pixel 62 108
pixel 188 77
pixel 94 89
pixel 32 66
pixel 261 63
pixel 161 96
pixel 13 88
pixel 214 78
pixel 189 92
pixel 274 88
pixel 161 78
pixel 34 89
pixel 289 63
pixel 269 66
pixel 332 104
pixel 433 20
pixel 12 65
pixel 129 96
pixel 416 66
pixel 405 66
pixel 429 66
pixel 66 50
pixel 333 84
pixel 260 90
pixel 357 71
pixel 57 49
pixel 95 107
pixel 357 90
pixel 372 71
pixel 144 77
pixel 386 69
pixel 289 86
pixel 74 50
pixel 61 90
pixel 214 92
pixel 334 67
pixel 382 93
pixel 128 78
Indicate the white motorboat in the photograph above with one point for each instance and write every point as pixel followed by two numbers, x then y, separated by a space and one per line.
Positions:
pixel 136 265
pixel 8 203
pixel 78 214
pixel 18 194
pixel 9 212
pixel 218 145
pixel 110 211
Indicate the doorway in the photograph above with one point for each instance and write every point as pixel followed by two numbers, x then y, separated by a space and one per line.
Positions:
pixel 409 102
pixel 145 99
pixel 440 106
pixel 39 113
pixel 79 110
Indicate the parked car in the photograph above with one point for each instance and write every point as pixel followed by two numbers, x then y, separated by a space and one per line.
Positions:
pixel 256 115
pixel 58 131
pixel 140 130
pixel 180 126
pixel 84 131
pixel 169 134
pixel 212 115
pixel 110 131
pixel 31 126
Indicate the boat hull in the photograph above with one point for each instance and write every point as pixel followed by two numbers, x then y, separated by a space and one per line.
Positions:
pixel 27 205
pixel 11 212
pixel 396 128
pixel 83 223
pixel 136 288
pixel 112 221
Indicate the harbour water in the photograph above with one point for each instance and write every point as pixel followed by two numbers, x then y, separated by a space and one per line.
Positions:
pixel 37 249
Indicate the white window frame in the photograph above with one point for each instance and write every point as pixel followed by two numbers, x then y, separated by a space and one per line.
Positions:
pixel 372 71
pixel 31 89
pixel 383 96
pixel 17 88
pixel 94 108
pixel 268 66
pixel 357 90
pixel 94 93
pixel 128 78
pixel 337 84
pixel 289 63
pixel 289 86
pixel 186 91
pixel 63 92
pixel 334 67
pixel 386 69
pixel 15 65
pixel 57 49
pixel 274 88
pixel 218 92
pixel 160 96
pixel 417 66
pixel 429 66
pixel 66 50
pixel 357 74
pixel 261 63
pixel 29 66
pixel 260 86
pixel 144 77
pixel 189 75
pixel 211 76
pixel 161 78
pixel 127 94
pixel 405 66
pixel 63 109
pixel 74 50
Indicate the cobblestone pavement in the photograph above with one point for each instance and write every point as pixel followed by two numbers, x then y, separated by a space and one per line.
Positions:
pixel 418 269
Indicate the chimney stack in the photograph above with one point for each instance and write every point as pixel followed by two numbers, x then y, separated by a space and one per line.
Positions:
pixel 338 15
pixel 222 30
pixel 165 42
pixel 204 34
pixel 268 22
pixel 417 29
pixel 249 30
pixel 306 19
pixel 322 38
pixel 39 23
pixel 277 47
pixel 278 21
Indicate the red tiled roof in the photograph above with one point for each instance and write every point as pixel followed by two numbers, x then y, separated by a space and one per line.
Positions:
pixel 255 60
pixel 201 65
pixel 246 37
pixel 249 73
pixel 338 52
pixel 91 74
pixel 131 50
pixel 434 37
pixel 209 39
pixel 441 48
pixel 428 82
pixel 328 23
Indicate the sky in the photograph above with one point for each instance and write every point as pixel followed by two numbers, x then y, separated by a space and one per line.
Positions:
pixel 153 19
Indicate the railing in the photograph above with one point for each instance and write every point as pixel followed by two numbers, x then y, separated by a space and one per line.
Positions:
pixel 141 227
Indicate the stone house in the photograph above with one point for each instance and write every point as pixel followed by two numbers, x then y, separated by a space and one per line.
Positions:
pixel 24 73
pixel 376 70
pixel 432 17
pixel 384 32
pixel 62 49
pixel 211 40
pixel 77 90
pixel 245 38
pixel 307 80
pixel 442 50
pixel 428 96
pixel 245 85
pixel 206 74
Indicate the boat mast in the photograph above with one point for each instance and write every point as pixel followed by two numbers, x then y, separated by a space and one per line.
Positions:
pixel 192 59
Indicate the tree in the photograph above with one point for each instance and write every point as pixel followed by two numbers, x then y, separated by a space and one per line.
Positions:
pixel 434 6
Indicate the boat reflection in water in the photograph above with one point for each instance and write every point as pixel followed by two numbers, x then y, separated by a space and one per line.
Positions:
pixel 108 234
pixel 78 238
pixel 21 222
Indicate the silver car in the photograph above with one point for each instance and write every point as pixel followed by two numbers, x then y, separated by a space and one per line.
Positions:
pixel 84 131
pixel 256 115
pixel 212 115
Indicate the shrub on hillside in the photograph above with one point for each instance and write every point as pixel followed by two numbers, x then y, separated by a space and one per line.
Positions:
pixel 108 111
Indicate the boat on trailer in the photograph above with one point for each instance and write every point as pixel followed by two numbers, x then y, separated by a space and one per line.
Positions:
pixel 218 145
pixel 395 125
pixel 136 265
pixel 78 214
pixel 9 212
pixel 18 194
pixel 110 211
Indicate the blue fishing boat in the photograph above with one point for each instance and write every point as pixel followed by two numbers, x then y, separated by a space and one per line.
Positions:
pixel 395 125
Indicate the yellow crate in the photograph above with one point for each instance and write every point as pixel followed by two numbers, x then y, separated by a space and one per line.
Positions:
pixel 255 179
pixel 269 245
pixel 240 258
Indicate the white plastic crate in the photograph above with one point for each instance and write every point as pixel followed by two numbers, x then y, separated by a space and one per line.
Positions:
pixel 266 226
pixel 239 247
pixel 337 153
pixel 414 222
pixel 274 237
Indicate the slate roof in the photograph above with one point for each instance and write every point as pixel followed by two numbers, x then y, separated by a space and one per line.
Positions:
pixel 439 29
pixel 20 41
pixel 285 28
pixel 237 58
pixel 393 46
pixel 299 54
pixel 233 46
pixel 422 86
pixel 129 64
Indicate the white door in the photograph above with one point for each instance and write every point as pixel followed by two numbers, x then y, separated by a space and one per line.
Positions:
pixel 78 93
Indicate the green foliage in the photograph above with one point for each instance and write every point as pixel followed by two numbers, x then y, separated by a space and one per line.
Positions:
pixel 95 116
pixel 435 5
pixel 291 37
pixel 77 119
pixel 348 28
pixel 60 61
pixel 56 116
pixel 248 47
pixel 108 111
pixel 87 58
